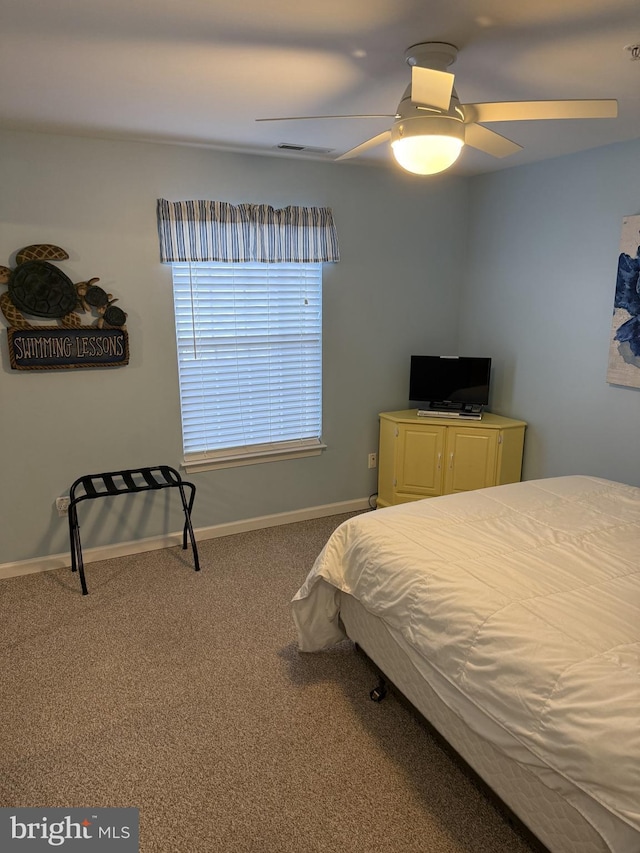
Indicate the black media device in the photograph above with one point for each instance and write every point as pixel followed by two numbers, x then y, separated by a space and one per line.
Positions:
pixel 449 383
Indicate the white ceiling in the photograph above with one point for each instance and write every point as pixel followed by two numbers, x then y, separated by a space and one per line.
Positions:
pixel 201 71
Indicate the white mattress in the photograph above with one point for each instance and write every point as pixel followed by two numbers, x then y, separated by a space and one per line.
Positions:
pixel 524 602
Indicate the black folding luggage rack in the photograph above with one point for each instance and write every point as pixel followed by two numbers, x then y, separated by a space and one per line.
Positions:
pixel 126 483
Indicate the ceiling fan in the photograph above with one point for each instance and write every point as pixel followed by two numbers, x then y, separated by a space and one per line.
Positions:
pixel 431 126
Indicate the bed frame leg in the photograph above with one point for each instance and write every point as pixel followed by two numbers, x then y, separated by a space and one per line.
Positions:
pixel 379 692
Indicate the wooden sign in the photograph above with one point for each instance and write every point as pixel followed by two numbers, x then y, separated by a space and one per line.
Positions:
pixel 37 288
pixel 52 347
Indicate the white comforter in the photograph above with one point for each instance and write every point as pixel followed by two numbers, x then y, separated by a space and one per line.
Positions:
pixel 526 597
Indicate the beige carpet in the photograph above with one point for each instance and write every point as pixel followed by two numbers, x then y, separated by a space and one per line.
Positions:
pixel 183 694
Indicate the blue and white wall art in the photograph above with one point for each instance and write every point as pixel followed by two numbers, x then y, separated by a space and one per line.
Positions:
pixel 624 345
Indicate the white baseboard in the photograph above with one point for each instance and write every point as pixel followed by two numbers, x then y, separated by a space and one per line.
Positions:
pixel 154 543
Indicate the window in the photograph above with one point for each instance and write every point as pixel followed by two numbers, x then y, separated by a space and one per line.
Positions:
pixel 249 341
pixel 248 304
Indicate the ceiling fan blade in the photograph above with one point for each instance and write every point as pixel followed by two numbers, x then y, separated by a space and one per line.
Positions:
pixel 489 141
pixel 431 88
pixel 309 118
pixel 533 110
pixel 365 146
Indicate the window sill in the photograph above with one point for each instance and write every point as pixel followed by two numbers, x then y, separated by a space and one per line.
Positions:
pixel 236 460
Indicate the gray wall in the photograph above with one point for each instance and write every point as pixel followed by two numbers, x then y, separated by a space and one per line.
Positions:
pixel 538 297
pixel 394 292
pixel 519 265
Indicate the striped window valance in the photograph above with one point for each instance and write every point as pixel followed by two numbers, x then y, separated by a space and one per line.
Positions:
pixel 219 231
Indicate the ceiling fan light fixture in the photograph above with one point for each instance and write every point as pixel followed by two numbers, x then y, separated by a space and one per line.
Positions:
pixel 426 155
pixel 426 145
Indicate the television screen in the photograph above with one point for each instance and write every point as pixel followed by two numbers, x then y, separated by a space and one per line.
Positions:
pixel 449 379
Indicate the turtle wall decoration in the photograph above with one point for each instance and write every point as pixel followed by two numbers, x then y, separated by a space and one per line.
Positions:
pixel 39 289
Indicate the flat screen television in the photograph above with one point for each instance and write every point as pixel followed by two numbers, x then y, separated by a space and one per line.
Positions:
pixel 455 381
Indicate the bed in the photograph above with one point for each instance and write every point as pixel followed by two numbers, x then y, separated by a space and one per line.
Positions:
pixel 510 618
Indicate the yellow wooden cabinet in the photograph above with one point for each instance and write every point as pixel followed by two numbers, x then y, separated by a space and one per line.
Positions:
pixel 424 457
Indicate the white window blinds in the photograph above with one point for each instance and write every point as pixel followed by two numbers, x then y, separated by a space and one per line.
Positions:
pixel 249 341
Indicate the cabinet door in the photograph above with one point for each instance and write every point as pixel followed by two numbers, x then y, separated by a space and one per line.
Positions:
pixel 419 461
pixel 471 456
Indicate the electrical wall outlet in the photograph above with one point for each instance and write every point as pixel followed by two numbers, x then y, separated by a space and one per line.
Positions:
pixel 62 505
pixel 373 460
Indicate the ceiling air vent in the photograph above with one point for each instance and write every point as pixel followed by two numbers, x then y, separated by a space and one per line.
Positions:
pixel 308 149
